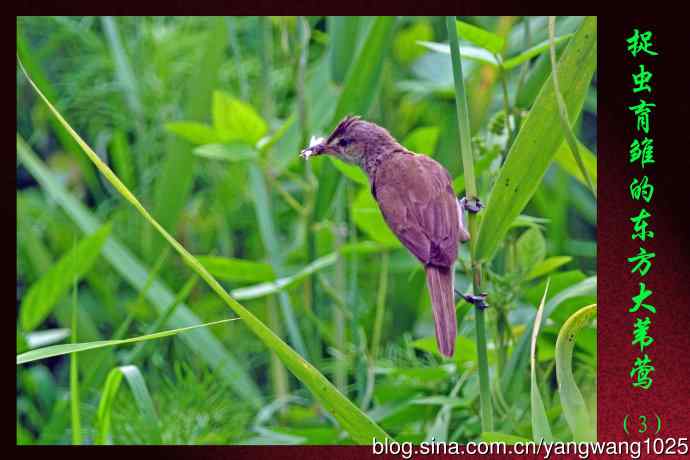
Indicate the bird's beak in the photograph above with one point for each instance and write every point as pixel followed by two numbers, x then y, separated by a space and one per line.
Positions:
pixel 316 147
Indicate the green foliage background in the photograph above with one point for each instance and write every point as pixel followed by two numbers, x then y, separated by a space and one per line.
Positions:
pixel 202 120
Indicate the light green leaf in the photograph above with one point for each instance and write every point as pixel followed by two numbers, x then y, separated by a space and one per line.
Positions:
pixel 547 266
pixel 440 401
pixel 367 216
pixel 47 337
pixel 422 140
pixel 465 351
pixel 533 52
pixel 486 57
pixel 365 247
pixel 141 395
pixel 66 348
pixel 480 37
pixel 566 161
pixel 235 120
pixel 230 269
pixel 193 131
pixel 405 49
pixel 531 249
pixel 538 140
pixel 232 152
pixel 467 52
pixel 541 429
pixel 264 289
pixel 52 286
pixel 574 406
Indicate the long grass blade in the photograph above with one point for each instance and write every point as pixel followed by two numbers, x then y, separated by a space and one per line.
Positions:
pixel 353 420
pixel 541 429
pixel 66 348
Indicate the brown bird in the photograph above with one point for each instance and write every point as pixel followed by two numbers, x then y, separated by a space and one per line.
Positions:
pixel 415 195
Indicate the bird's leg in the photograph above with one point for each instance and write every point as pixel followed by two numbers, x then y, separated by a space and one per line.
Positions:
pixel 472 206
pixel 478 301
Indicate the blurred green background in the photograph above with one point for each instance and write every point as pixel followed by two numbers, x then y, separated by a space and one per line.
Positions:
pixel 203 120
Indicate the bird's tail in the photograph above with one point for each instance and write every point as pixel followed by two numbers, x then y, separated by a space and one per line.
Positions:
pixel 440 283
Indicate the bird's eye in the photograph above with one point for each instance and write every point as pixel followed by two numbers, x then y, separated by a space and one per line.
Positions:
pixel 343 142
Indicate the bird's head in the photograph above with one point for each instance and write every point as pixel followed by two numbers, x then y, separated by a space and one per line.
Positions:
pixel 351 141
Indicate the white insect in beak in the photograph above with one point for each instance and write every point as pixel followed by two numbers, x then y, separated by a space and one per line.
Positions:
pixel 309 151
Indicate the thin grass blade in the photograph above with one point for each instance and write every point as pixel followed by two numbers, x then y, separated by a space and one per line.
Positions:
pixel 66 348
pixel 141 395
pixel 541 428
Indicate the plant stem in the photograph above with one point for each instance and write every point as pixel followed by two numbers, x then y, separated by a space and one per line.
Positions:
pixel 304 34
pixel 506 100
pixel 74 373
pixel 340 284
pixel 487 417
pixel 378 327
pixel 380 306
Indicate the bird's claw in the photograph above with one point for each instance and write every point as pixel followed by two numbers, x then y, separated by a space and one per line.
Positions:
pixel 478 301
pixel 473 206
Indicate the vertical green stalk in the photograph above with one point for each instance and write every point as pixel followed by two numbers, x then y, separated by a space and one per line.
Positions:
pixel 340 284
pixel 279 377
pixel 303 33
pixel 506 99
pixel 487 416
pixel 378 327
pixel 525 67
pixel 74 374
pixel 380 306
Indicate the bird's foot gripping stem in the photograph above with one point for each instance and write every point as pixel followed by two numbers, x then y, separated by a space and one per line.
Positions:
pixel 465 205
pixel 479 301
pixel 473 205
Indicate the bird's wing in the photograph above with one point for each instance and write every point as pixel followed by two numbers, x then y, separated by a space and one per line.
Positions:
pixel 417 201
